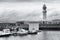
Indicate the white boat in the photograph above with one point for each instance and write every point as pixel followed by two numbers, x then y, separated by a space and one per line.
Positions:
pixel 22 32
pixel 5 32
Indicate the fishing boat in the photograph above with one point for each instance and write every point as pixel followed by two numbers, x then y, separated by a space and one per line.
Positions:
pixel 5 33
pixel 22 32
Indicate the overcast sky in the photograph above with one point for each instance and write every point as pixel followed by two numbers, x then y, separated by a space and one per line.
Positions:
pixel 27 0
pixel 16 10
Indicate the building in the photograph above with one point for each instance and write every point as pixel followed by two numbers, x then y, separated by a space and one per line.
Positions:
pixel 44 12
pixel 33 25
pixel 22 24
pixel 7 25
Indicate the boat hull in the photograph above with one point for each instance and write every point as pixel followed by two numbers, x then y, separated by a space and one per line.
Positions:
pixel 20 34
pixel 32 32
pixel 5 35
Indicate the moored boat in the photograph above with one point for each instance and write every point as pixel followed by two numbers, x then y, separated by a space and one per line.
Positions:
pixel 5 33
pixel 32 32
pixel 22 32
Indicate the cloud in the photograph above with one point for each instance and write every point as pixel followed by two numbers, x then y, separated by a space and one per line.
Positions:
pixel 15 16
pixel 12 12
pixel 29 0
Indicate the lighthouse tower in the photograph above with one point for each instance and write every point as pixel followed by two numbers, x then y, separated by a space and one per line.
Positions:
pixel 44 12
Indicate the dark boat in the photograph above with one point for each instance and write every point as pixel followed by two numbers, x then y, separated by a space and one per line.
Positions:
pixel 32 32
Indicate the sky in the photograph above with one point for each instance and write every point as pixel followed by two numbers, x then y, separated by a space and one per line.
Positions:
pixel 28 10
pixel 27 0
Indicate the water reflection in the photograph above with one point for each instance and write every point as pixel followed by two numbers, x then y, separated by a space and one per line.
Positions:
pixel 44 35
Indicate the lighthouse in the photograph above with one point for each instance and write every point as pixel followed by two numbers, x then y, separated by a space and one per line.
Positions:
pixel 44 12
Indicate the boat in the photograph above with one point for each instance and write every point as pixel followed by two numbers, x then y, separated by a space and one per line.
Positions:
pixel 14 33
pixel 22 32
pixel 5 33
pixel 32 32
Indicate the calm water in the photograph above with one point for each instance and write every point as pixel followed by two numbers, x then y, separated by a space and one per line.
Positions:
pixel 43 35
